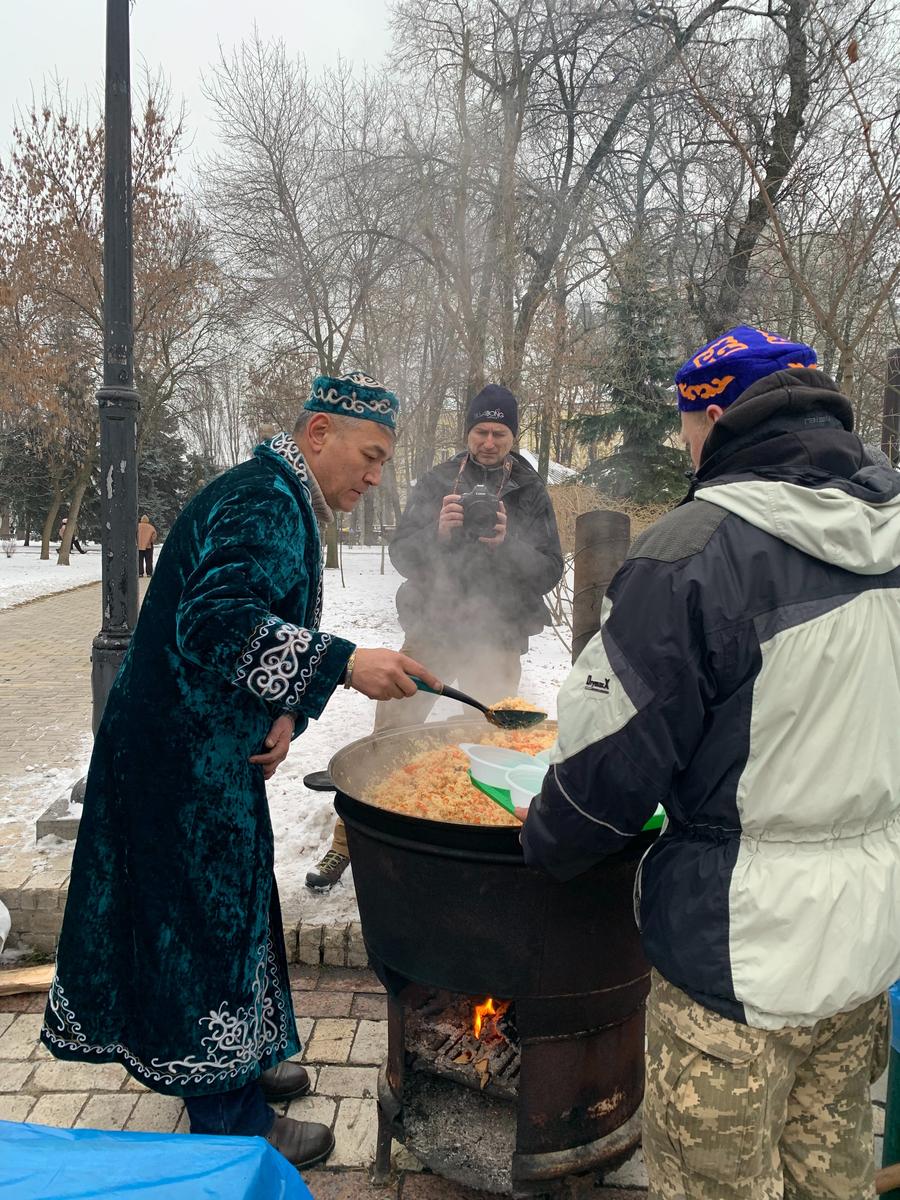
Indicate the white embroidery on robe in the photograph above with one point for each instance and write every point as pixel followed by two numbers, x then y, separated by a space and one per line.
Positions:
pixel 317 612
pixel 271 665
pixel 232 1045
pixel 285 446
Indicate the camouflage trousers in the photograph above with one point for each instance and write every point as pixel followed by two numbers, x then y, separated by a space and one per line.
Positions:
pixel 735 1113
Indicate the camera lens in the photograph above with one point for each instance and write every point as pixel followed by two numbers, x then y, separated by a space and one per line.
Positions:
pixel 480 509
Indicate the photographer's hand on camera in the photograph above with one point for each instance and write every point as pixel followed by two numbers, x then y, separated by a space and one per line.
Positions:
pixel 499 528
pixel 450 519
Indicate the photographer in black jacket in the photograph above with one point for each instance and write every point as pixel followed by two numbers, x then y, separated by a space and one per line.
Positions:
pixel 479 548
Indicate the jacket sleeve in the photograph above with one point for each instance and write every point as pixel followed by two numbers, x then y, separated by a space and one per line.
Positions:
pixel 412 547
pixel 532 550
pixel 631 716
pixel 251 555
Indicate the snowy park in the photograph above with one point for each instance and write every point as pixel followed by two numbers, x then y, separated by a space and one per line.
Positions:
pixel 24 575
pixel 368 366
pixel 361 608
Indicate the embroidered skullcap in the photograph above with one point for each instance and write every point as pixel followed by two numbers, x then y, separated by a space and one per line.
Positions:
pixel 725 367
pixel 354 395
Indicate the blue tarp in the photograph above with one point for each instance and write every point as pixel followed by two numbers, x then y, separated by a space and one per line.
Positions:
pixel 39 1163
pixel 894 994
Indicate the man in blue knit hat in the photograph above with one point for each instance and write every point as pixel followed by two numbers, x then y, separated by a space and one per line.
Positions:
pixel 171 958
pixel 751 649
pixel 723 369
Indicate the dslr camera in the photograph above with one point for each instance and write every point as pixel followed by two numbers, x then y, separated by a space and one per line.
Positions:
pixel 480 511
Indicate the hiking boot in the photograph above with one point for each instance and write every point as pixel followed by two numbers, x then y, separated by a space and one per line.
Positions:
pixel 326 873
pixel 303 1143
pixel 287 1081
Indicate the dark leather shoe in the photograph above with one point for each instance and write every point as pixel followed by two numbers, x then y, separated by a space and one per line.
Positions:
pixel 287 1081
pixel 302 1143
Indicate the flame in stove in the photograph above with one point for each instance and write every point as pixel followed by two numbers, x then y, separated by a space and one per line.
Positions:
pixel 481 1011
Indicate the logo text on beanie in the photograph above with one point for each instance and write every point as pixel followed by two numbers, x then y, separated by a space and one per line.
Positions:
pixel 490 414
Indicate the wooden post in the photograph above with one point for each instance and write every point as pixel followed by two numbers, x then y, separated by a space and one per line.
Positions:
pixel 890 420
pixel 602 539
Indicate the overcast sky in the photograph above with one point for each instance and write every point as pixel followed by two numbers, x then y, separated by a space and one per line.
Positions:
pixel 65 39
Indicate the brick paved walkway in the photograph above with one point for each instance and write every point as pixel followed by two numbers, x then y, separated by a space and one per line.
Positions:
pixel 45 677
pixel 341 1016
pixel 45 695
pixel 342 1021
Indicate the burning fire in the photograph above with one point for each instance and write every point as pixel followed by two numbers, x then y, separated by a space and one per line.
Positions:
pixel 488 1009
pixel 481 1011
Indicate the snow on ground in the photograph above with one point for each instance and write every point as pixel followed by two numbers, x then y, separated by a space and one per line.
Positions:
pixel 364 612
pixel 23 576
pixel 26 797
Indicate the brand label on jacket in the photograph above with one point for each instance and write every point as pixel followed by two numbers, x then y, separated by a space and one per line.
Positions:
pixel 597 685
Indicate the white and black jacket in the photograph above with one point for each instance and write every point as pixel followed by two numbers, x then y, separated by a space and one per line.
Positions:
pixel 747 677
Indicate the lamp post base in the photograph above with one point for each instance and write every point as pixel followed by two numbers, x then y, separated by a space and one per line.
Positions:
pixel 107 652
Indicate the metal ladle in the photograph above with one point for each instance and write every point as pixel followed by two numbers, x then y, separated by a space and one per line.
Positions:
pixel 503 718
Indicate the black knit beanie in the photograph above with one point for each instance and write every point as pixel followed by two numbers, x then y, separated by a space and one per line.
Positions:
pixel 494 403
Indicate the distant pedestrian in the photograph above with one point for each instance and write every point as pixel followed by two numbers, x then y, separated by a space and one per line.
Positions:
pixel 146 540
pixel 76 545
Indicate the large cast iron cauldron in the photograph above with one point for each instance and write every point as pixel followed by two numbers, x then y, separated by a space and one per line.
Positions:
pixel 454 906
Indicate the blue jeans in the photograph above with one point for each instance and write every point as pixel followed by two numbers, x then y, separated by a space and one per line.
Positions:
pixel 243 1111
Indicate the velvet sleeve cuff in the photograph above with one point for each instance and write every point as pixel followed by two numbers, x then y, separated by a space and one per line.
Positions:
pixel 293 668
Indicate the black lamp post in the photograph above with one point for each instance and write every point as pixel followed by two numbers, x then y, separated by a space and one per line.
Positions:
pixel 117 400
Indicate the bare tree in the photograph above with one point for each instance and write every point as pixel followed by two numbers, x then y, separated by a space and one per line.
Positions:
pixel 298 193
pixel 831 231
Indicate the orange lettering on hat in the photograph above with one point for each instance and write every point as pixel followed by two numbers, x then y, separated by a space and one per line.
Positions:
pixel 705 391
pixel 809 366
pixel 774 339
pixel 718 349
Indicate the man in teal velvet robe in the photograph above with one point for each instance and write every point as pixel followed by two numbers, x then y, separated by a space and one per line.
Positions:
pixel 171 958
